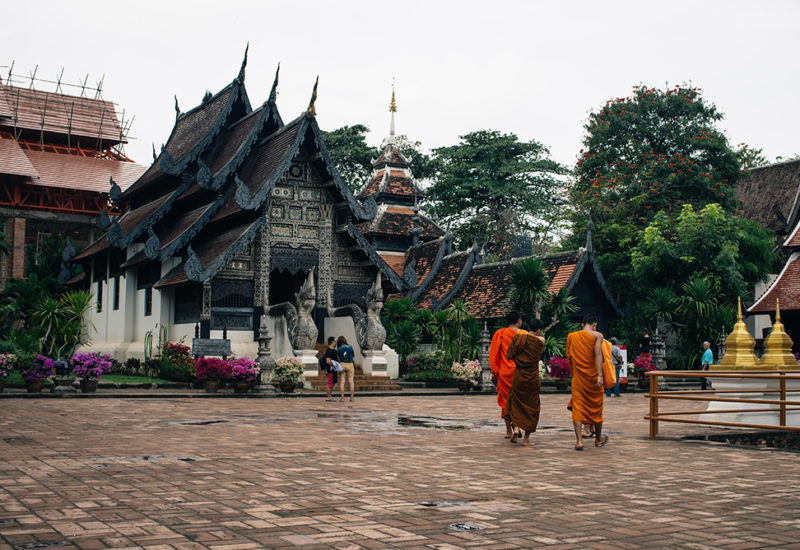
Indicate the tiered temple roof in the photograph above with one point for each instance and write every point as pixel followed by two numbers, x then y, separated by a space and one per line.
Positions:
pixel 203 196
pixel 786 287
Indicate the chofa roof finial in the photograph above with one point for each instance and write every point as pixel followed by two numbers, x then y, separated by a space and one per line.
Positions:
pixel 273 94
pixel 240 78
pixel 177 107
pixel 311 112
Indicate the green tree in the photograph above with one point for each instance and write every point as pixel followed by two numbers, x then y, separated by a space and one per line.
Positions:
pixel 351 154
pixel 495 187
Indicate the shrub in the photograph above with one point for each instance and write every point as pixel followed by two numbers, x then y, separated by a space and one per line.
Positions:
pixel 8 347
pixel 430 367
pixel 211 368
pixel 242 369
pixel 132 366
pixel 287 369
pixel 470 370
pixel 37 368
pixel 8 361
pixel 175 363
pixel 90 366
pixel 559 368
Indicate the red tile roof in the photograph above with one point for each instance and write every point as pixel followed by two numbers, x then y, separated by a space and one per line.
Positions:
pixel 444 280
pixel 59 113
pixel 13 160
pixel 84 173
pixel 793 240
pixel 487 289
pixel 175 276
pixel 398 220
pixel 397 261
pixel 786 287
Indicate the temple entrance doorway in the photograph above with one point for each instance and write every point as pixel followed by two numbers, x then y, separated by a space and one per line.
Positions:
pixel 283 285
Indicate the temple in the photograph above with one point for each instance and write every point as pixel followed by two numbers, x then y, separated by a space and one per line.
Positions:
pixel 242 215
pixel 57 154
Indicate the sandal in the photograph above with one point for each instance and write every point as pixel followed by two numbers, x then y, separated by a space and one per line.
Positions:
pixel 605 440
pixel 578 448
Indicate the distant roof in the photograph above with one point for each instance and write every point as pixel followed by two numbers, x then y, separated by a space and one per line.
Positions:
pixel 399 220
pixel 59 113
pixel 786 287
pixel 84 173
pixel 770 196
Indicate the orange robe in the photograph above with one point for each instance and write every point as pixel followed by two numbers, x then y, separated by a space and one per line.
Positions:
pixel 586 402
pixel 502 366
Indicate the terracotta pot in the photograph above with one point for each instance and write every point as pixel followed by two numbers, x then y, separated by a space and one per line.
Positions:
pixel 287 386
pixel 89 385
pixel 34 386
pixel 464 385
pixel 211 386
pixel 241 387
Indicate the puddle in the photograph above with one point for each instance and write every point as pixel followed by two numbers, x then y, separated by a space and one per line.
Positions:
pixel 42 544
pixel 465 527
pixel 445 504
pixel 145 458
pixel 199 422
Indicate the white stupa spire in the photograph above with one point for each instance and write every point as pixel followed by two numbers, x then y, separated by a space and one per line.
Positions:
pixel 392 110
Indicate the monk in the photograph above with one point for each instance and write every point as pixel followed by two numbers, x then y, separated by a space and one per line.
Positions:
pixel 523 405
pixel 585 359
pixel 502 367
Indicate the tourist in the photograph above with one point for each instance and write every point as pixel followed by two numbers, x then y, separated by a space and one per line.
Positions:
pixel 585 359
pixel 325 363
pixel 346 355
pixel 616 358
pixel 644 345
pixel 706 361
pixel 502 367
pixel 523 405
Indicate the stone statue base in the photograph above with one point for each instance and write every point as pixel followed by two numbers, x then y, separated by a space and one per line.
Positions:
pixel 63 384
pixel 264 381
pixel 487 386
pixel 375 363
pixel 308 357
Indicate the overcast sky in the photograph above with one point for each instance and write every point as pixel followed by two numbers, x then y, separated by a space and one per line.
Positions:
pixel 533 68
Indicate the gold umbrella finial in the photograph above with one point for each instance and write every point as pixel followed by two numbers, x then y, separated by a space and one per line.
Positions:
pixel 739 347
pixel 779 346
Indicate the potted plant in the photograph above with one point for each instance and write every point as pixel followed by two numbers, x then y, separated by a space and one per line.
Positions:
pixel 466 375
pixel 35 370
pixel 210 371
pixel 242 372
pixel 90 367
pixel 7 362
pixel 288 371
pixel 641 366
pixel 559 369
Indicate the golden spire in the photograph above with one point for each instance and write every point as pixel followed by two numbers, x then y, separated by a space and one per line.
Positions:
pixel 779 346
pixel 393 110
pixel 739 348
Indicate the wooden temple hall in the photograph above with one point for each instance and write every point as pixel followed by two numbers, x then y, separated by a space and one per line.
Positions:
pixel 240 208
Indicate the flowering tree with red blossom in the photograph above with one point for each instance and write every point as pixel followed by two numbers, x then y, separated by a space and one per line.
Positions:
pixel 652 152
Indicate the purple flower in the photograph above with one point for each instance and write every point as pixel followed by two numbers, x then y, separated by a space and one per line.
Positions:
pixel 41 367
pixel 90 365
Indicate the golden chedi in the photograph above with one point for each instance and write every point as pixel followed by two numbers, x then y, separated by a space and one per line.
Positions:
pixel 779 346
pixel 739 347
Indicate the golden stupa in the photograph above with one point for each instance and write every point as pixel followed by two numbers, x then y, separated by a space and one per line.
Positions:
pixel 739 347
pixel 779 346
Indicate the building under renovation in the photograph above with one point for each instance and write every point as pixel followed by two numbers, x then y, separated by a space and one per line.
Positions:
pixel 58 152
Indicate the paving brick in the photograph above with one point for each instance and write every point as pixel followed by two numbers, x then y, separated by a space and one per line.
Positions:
pixel 292 473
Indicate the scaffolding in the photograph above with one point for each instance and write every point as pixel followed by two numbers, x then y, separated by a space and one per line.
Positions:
pixel 66 124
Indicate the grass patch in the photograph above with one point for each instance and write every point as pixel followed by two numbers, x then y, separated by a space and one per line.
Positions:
pixel 15 377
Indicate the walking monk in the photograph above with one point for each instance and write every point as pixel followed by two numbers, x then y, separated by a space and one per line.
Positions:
pixel 585 358
pixel 523 404
pixel 502 367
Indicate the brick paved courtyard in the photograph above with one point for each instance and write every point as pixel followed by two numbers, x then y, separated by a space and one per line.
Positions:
pixel 384 472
